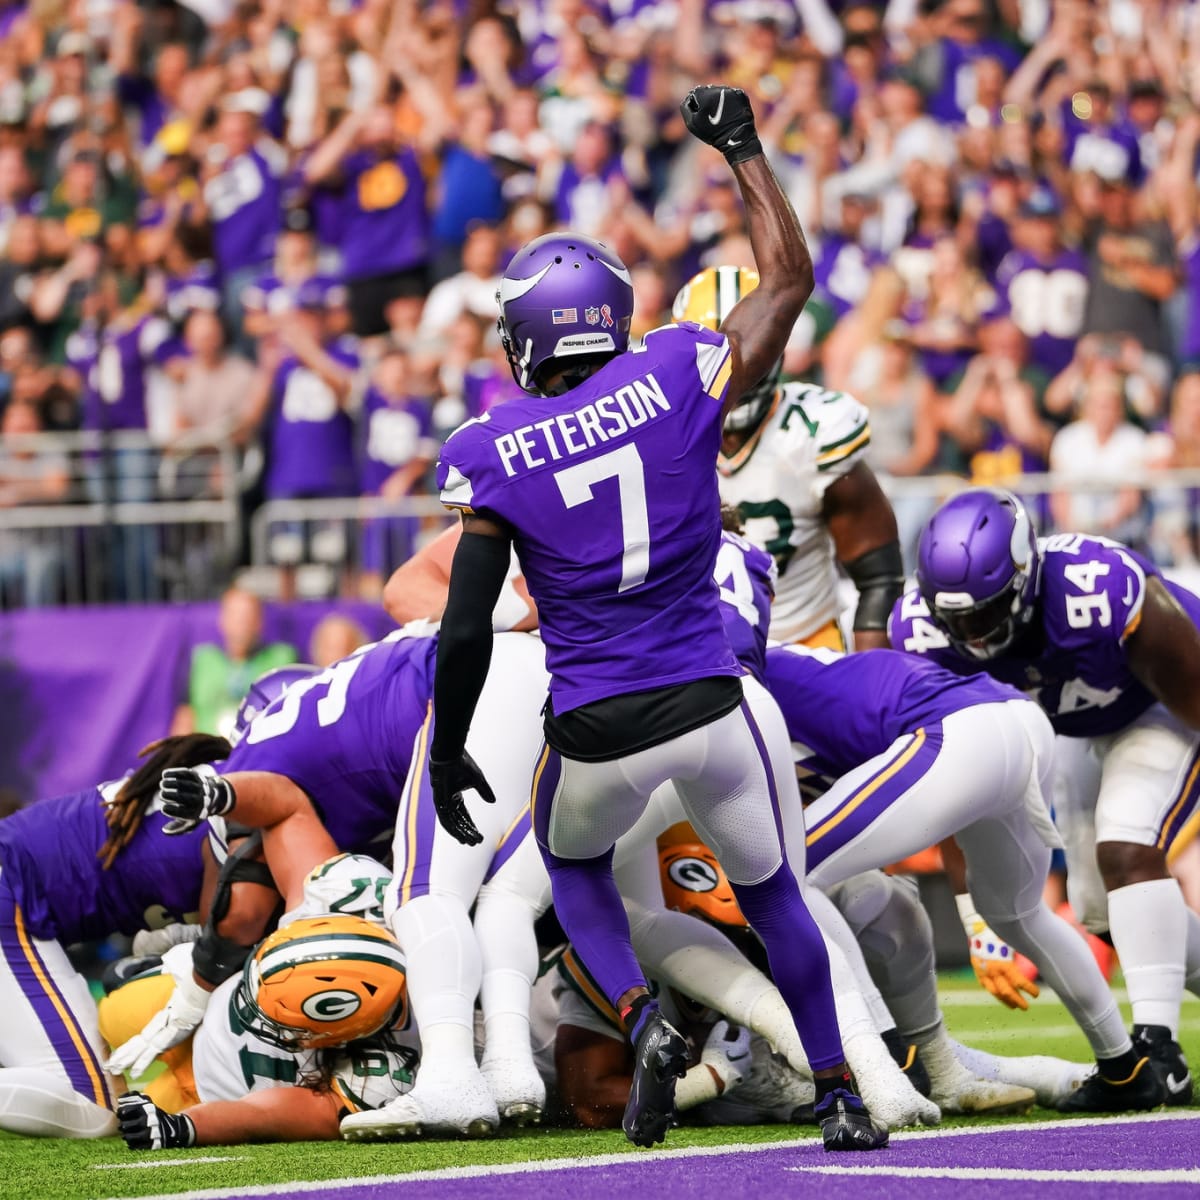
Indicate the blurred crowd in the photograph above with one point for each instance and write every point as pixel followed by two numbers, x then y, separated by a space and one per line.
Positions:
pixel 278 227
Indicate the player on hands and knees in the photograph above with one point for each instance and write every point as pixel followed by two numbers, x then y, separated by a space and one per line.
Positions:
pixel 1111 651
pixel 644 686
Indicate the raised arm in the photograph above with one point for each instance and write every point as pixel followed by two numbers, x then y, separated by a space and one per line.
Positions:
pixel 759 326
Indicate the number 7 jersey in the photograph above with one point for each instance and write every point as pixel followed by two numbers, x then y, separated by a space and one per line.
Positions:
pixel 1073 660
pixel 612 498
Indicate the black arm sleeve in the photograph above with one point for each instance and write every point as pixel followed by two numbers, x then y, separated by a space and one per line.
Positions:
pixel 879 577
pixel 465 643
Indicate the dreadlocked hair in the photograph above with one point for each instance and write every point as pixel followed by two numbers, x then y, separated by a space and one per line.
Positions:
pixel 124 814
pixel 731 519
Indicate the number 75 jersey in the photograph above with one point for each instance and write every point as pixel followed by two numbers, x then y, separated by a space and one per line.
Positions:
pixel 1073 661
pixel 612 498
pixel 808 440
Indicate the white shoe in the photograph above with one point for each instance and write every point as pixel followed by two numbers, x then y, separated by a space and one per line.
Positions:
pixel 517 1088
pixel 1052 1079
pixel 456 1103
pixel 960 1093
pixel 884 1088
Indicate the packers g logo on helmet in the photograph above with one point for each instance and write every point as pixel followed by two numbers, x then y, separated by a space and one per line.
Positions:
pixel 692 879
pixel 322 981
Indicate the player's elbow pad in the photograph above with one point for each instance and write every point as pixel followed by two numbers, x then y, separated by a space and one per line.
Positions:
pixel 879 577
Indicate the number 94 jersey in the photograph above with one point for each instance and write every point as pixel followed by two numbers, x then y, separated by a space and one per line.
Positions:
pixel 808 440
pixel 1073 660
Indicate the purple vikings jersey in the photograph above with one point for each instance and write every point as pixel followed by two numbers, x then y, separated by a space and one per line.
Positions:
pixel 612 497
pixel 345 737
pixel 846 709
pixel 115 368
pixel 312 435
pixel 1047 302
pixel 244 204
pixel 842 270
pixel 745 575
pixel 397 431
pixel 385 225
pixel 48 855
pixel 270 294
pixel 1073 660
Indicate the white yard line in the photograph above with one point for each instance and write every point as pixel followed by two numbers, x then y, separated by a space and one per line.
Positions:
pixel 1013 1174
pixel 142 1163
pixel 604 1160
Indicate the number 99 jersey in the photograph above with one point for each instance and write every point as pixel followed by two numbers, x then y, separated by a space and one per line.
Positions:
pixel 1072 661
pixel 809 438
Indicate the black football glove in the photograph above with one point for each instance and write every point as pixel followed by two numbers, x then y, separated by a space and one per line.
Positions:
pixel 722 117
pixel 189 795
pixel 449 780
pixel 145 1126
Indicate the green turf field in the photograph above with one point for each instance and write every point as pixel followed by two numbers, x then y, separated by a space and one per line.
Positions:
pixel 54 1170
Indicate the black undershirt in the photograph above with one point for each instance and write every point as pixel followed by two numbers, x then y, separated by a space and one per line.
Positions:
pixel 621 725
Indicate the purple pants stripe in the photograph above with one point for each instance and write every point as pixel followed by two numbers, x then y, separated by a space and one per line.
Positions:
pixel 1184 807
pixel 761 746
pixel 420 820
pixel 70 1042
pixel 510 842
pixel 546 778
pixel 830 830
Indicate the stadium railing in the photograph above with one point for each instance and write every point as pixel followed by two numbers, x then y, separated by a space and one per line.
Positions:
pixel 139 522
pixel 133 520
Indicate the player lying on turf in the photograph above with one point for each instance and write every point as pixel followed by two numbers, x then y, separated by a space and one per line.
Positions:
pixel 123 874
pixel 352 742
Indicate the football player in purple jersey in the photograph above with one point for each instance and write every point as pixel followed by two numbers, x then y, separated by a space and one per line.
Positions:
pixel 74 869
pixel 350 742
pixel 602 479
pixel 1111 650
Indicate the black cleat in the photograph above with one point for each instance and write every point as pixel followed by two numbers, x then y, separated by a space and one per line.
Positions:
pixel 847 1125
pixel 1143 1090
pixel 1166 1057
pixel 660 1057
pixel 908 1058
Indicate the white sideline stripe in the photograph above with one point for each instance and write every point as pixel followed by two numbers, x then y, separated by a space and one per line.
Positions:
pixel 142 1163
pixel 978 998
pixel 630 1156
pixel 1008 1035
pixel 1016 1175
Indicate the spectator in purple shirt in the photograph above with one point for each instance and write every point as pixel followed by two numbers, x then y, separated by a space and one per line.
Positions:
pixel 397 449
pixel 242 195
pixel 385 221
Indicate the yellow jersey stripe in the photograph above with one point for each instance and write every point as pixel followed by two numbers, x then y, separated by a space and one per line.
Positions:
pixel 838 453
pixel 719 384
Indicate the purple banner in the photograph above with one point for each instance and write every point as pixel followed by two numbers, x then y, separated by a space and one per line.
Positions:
pixel 82 690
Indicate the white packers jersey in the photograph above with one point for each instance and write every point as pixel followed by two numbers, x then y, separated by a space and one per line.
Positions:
pixel 809 438
pixel 229 1061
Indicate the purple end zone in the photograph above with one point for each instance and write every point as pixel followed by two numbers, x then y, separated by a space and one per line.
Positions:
pixel 798 1171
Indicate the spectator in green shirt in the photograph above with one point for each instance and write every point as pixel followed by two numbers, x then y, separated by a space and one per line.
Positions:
pixel 221 674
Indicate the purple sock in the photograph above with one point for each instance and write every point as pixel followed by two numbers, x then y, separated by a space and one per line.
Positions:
pixel 799 962
pixel 589 909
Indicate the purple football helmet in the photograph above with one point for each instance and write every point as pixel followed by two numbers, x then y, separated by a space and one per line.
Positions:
pixel 264 691
pixel 977 569
pixel 563 297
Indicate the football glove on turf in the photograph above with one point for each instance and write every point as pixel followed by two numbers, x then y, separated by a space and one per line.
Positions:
pixel 993 959
pixel 145 1126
